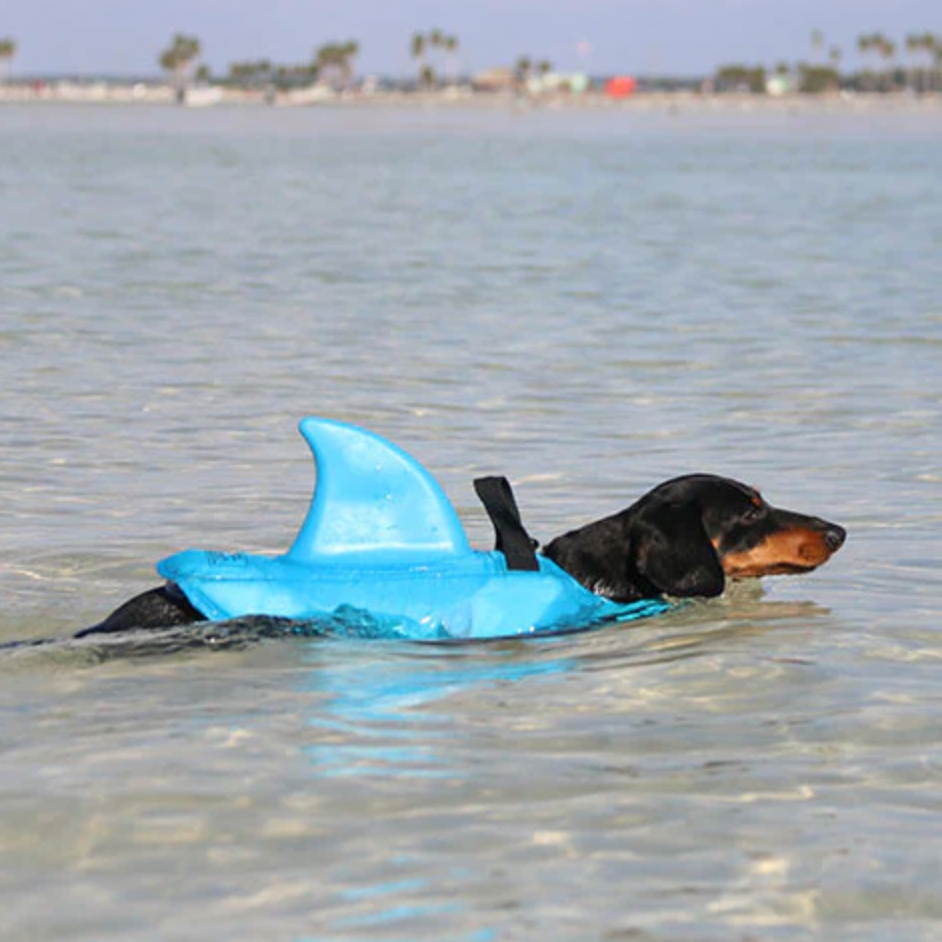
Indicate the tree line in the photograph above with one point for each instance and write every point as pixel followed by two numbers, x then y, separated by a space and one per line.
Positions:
pixel 882 71
pixel 428 44
pixel 435 54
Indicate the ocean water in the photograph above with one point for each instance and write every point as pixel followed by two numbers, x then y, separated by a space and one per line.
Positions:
pixel 586 302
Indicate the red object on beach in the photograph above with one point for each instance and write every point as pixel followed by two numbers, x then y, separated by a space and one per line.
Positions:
pixel 621 86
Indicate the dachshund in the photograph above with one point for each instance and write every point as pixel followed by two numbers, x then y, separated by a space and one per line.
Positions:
pixel 683 539
pixel 688 536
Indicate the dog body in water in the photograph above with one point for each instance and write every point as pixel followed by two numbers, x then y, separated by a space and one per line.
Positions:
pixel 684 539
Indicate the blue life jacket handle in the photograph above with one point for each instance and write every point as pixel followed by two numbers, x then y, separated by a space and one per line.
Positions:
pixel 511 538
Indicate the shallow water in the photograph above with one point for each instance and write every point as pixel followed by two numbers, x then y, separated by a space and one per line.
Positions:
pixel 588 303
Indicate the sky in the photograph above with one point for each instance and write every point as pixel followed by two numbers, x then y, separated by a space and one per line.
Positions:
pixel 677 37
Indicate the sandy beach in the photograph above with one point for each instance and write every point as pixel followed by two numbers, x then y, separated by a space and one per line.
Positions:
pixel 102 93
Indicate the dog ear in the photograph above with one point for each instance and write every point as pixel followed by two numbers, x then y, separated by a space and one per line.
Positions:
pixel 672 550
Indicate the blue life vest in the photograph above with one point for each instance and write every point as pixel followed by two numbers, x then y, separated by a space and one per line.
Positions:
pixel 383 552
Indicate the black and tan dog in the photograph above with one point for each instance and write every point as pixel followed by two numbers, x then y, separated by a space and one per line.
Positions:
pixel 685 538
pixel 688 536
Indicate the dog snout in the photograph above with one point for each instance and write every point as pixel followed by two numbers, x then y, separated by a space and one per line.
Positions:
pixel 834 536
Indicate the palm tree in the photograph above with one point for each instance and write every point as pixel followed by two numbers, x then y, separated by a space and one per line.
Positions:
pixel 933 48
pixel 817 44
pixel 863 47
pixel 417 50
pixel 336 60
pixel 834 57
pixel 913 47
pixel 351 49
pixel 178 59
pixel 436 39
pixel 451 49
pixel 887 49
pixel 7 55
pixel 524 69
pixel 867 43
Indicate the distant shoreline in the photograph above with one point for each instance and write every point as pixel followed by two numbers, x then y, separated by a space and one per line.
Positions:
pixel 102 93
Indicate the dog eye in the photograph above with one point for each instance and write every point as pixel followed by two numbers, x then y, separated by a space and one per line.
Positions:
pixel 752 513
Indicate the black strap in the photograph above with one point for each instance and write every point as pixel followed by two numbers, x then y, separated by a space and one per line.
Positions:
pixel 512 540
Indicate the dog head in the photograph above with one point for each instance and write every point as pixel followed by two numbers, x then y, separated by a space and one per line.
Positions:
pixel 688 535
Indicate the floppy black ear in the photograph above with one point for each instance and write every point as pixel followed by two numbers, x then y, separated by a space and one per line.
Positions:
pixel 672 550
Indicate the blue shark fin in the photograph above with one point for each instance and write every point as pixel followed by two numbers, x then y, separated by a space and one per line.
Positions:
pixel 373 504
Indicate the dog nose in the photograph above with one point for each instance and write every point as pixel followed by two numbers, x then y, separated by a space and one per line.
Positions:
pixel 834 537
